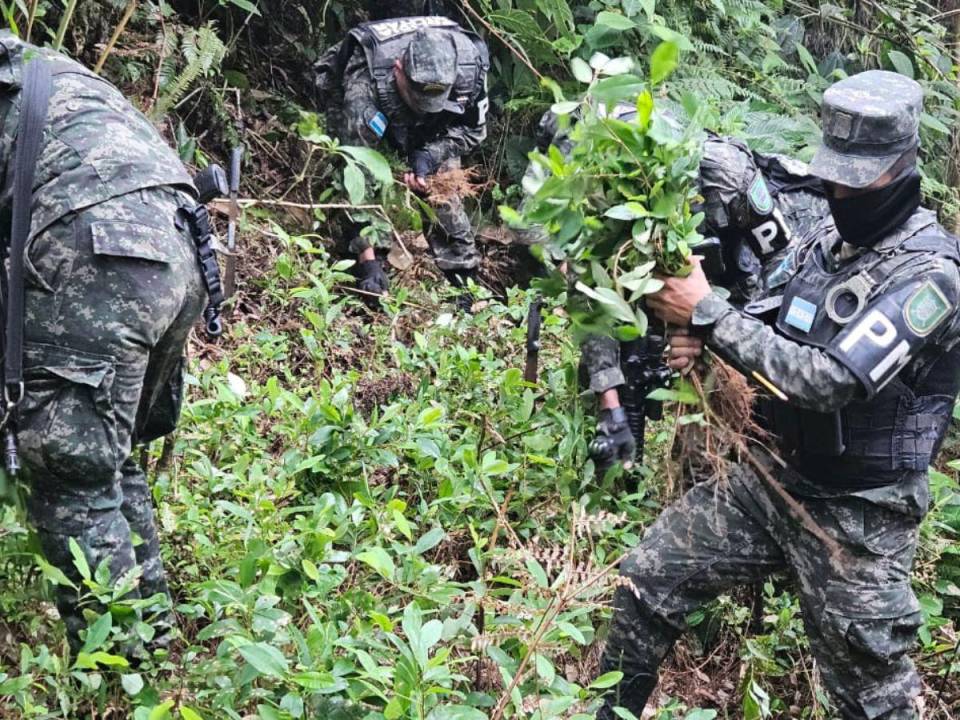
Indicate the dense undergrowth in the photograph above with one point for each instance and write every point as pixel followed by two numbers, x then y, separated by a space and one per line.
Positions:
pixel 370 514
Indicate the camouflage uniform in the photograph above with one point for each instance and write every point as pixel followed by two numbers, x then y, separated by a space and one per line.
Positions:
pixel 871 386
pixel 364 106
pixel 113 288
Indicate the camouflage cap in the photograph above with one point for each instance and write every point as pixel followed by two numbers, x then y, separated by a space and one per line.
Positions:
pixel 430 64
pixel 869 121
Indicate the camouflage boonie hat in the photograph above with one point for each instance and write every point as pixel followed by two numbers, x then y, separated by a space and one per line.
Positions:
pixel 430 63
pixel 869 121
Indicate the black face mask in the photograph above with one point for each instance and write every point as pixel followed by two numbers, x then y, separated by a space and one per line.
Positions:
pixel 864 219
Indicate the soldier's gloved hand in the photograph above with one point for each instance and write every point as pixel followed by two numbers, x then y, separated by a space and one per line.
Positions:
pixel 614 441
pixel 420 163
pixel 371 278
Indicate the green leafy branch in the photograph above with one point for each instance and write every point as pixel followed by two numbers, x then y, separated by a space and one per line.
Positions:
pixel 616 208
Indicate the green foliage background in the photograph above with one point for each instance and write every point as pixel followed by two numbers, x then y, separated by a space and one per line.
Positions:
pixel 375 516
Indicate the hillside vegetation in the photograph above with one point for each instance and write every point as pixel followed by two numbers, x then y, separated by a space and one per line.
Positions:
pixel 369 513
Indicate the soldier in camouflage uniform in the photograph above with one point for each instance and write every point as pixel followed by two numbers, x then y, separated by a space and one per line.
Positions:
pixel 757 206
pixel 420 84
pixel 862 342
pixel 113 288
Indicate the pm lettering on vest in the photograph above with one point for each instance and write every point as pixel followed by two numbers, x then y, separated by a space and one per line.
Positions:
pixel 878 330
pixel 891 332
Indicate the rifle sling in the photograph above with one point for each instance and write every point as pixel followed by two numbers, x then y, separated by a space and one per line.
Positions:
pixel 34 99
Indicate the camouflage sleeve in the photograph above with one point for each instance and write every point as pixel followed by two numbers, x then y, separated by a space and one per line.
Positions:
pixel 808 376
pixel 600 363
pixel 359 102
pixel 462 137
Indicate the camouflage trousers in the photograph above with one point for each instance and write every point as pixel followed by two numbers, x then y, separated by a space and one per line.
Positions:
pixel 860 613
pixel 112 293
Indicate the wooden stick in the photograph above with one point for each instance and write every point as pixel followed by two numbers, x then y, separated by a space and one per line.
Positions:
pixel 127 14
pixel 220 204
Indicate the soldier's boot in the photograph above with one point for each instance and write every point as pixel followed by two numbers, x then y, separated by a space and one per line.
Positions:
pixel 631 695
pixel 638 642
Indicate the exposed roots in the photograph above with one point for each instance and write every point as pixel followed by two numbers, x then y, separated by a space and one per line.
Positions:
pixel 456 183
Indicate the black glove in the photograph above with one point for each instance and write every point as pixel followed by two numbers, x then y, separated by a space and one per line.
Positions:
pixel 614 442
pixel 371 278
pixel 420 163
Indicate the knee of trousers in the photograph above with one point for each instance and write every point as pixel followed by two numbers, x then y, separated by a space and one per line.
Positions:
pixel 646 591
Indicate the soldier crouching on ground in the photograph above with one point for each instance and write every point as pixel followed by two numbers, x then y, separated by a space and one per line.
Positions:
pixel 112 289
pixel 420 84
pixel 864 347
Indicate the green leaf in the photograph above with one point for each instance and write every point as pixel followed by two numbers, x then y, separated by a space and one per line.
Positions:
pixel 807 59
pixel 612 300
pixel 245 5
pixel 668 35
pixel 581 70
pixel 53 574
pixel 324 683
pixel 606 680
pixel 901 63
pixel 132 683
pixel 98 632
pixel 933 123
pixel 429 540
pixel 627 211
pixel 663 61
pixel 188 713
pixel 79 559
pixel 618 88
pixel 649 7
pixel 372 160
pixel 564 108
pixel 380 560
pixel 161 712
pixel 545 669
pixel 537 572
pixel 354 183
pixel 310 569
pixel 644 108
pixel 265 659
pixel 615 21
pixel 572 631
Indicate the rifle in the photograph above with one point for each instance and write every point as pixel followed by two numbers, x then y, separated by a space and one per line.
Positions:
pixel 533 340
pixel 229 280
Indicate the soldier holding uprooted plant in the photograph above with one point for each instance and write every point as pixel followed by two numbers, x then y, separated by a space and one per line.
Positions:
pixel 860 347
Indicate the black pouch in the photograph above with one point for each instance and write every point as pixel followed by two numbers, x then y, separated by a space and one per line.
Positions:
pixel 162 417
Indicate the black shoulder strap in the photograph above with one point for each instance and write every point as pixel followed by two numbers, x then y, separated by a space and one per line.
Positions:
pixel 35 96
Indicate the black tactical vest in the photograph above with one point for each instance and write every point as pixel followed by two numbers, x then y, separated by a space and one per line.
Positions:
pixel 867 443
